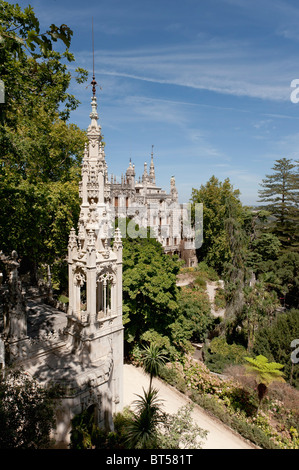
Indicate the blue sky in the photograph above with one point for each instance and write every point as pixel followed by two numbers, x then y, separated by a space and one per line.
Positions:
pixel 207 82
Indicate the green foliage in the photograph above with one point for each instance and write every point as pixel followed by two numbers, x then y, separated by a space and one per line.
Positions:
pixel 142 430
pixel 220 202
pixel 280 192
pixel 32 71
pixel 258 310
pixel 145 428
pixel 194 319
pixel 36 221
pixel 163 342
pixel 82 430
pixel 219 354
pixel 235 404
pixel 265 372
pixel 153 360
pixel 27 412
pixel 180 432
pixel 206 272
pixel 264 248
pixel 149 287
pixel 40 153
pixel 20 29
pixel 86 434
pixel 219 299
pixel 282 276
pixel 274 342
pixel 155 309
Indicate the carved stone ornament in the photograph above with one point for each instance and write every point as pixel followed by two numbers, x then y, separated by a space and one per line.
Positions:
pixel 79 277
pixel 106 276
pixel 105 268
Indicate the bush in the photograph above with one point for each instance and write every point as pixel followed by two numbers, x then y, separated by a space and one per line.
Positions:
pixel 206 272
pixel 228 402
pixel 243 400
pixel 274 342
pixel 219 354
pixel 220 299
pixel 27 412
pixel 170 374
pixel 85 434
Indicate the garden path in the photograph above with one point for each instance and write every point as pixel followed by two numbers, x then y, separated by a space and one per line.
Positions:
pixel 219 435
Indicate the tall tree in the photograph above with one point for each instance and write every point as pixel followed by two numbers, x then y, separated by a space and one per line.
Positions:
pixel 149 287
pixel 280 193
pixel 258 310
pixel 226 236
pixel 220 204
pixel 40 152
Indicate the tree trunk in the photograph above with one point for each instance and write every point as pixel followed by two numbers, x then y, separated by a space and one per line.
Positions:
pixel 262 390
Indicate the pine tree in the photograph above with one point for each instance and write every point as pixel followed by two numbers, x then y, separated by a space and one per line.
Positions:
pixel 280 192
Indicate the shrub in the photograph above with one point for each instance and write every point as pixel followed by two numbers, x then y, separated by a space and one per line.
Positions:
pixel 233 404
pixel 219 354
pixel 27 412
pixel 220 299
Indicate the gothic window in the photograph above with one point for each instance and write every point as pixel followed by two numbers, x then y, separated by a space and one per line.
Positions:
pixel 79 293
pixel 105 283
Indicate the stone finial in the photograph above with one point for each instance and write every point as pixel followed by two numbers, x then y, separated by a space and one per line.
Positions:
pixel 91 239
pixel 152 168
pixel 145 174
pixel 117 243
pixel 94 107
pixel 72 239
pixel 173 189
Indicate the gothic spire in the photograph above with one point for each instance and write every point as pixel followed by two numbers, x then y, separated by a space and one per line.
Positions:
pixel 93 81
pixel 152 168
pixel 93 128
pixel 145 175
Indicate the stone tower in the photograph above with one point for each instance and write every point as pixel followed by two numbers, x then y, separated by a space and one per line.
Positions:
pixel 94 320
pixel 82 350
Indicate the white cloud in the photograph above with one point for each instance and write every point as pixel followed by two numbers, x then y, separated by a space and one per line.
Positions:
pixel 227 67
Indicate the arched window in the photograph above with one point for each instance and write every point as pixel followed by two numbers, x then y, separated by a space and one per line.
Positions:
pixel 105 291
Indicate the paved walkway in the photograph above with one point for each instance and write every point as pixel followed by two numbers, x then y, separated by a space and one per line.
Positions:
pixel 219 436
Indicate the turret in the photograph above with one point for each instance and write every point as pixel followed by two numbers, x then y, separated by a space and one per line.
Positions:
pixel 145 176
pixel 173 190
pixel 152 168
pixel 130 174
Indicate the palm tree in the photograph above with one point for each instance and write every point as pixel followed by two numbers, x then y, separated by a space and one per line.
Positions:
pixel 142 430
pixel 153 360
pixel 265 373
